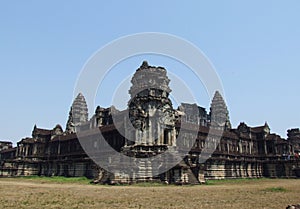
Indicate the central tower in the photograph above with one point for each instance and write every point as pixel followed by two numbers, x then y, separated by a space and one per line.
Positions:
pixel 150 110
pixel 150 124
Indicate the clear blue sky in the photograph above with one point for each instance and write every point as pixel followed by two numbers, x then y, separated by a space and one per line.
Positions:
pixel 254 46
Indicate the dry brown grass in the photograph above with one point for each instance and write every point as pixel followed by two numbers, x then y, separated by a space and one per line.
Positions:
pixel 265 193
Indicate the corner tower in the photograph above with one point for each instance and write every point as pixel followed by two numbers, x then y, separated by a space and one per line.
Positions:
pixel 78 114
pixel 219 115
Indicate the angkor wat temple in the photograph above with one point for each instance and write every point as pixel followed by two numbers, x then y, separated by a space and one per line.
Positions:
pixel 200 145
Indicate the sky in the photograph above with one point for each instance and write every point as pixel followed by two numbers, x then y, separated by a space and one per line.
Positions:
pixel 253 45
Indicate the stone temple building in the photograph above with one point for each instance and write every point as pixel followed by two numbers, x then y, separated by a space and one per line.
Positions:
pixel 153 141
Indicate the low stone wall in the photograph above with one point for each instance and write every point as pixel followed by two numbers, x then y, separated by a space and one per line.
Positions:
pixel 68 169
pixel 212 169
pixel 224 169
pixel 277 169
pixel 62 168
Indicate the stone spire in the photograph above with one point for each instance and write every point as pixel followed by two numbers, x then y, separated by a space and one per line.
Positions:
pixel 78 114
pixel 219 115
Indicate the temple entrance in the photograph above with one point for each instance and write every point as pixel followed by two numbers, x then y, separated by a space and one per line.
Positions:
pixel 166 133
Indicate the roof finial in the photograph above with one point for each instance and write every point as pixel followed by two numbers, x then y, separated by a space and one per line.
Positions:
pixel 144 65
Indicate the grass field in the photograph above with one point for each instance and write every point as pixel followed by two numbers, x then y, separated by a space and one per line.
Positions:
pixel 37 192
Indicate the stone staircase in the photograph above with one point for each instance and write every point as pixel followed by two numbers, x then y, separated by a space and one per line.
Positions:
pixel 145 170
pixel 191 177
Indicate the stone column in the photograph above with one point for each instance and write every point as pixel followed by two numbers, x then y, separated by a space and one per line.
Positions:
pixel 137 138
pixel 161 135
pixel 26 153
pixel 58 148
pixel 158 134
pixel 150 137
pixel 144 135
pixel 173 137
pixel 265 147
pixel 227 147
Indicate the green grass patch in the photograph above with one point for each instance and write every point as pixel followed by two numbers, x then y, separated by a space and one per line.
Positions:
pixel 57 179
pixel 233 181
pixel 275 189
pixel 149 184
